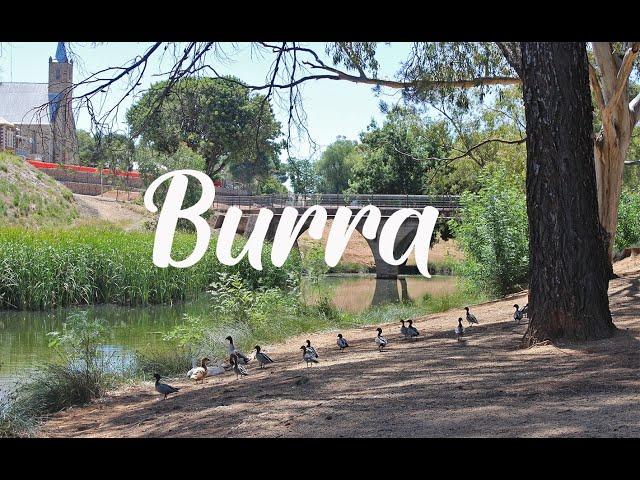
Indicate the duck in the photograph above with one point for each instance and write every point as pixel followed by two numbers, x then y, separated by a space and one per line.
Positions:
pixel 459 330
pixel 263 358
pixel 198 374
pixel 163 388
pixel 380 340
pixel 403 329
pixel 411 330
pixel 312 350
pixel 517 315
pixel 471 318
pixel 525 310
pixel 233 350
pixel 308 357
pixel 239 369
pixel 342 342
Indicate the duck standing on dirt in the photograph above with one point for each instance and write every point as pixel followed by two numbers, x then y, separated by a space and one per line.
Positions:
pixel 308 356
pixel 380 340
pixel 312 350
pixel 198 374
pixel 411 330
pixel 471 318
pixel 517 315
pixel 234 351
pixel 403 329
pixel 263 358
pixel 163 388
pixel 459 330
pixel 342 343
pixel 239 369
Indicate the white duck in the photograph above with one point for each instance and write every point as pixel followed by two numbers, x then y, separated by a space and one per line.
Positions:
pixel 198 374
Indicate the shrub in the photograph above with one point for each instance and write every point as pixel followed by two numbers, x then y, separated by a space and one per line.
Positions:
pixel 493 233
pixel 628 231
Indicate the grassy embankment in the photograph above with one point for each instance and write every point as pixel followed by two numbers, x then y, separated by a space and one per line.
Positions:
pixel 32 198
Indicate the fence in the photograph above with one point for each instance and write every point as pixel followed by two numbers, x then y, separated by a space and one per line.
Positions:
pixel 451 202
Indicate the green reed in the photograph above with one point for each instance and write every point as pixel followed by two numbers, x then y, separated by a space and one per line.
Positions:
pixel 51 268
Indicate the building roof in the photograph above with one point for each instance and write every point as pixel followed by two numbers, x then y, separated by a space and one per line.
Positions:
pixel 21 102
pixel 4 121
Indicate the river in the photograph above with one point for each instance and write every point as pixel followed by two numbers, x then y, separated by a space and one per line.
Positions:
pixel 24 340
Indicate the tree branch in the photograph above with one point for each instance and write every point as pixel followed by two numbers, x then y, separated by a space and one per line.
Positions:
pixel 623 74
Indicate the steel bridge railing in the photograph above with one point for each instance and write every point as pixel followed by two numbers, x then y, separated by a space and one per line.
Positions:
pixel 447 202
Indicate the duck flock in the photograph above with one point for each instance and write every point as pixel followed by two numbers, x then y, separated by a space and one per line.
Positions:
pixel 310 356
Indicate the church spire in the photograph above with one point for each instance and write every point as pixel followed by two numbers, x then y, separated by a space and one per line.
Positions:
pixel 61 53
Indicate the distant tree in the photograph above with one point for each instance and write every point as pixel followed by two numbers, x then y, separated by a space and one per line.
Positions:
pixel 271 184
pixel 302 174
pixel 397 156
pixel 217 118
pixel 335 166
pixel 152 164
pixel 86 148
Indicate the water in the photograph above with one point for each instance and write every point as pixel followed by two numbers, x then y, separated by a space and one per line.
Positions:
pixel 24 340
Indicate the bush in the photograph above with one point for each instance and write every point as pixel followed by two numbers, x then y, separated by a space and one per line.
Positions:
pixel 493 233
pixel 313 261
pixel 628 231
pixel 82 375
pixel 168 362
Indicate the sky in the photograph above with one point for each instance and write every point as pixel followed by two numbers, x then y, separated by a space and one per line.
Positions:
pixel 333 108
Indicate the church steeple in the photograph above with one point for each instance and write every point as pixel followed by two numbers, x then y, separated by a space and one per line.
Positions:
pixel 61 53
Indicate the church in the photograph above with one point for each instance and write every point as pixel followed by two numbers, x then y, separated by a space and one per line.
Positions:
pixel 36 119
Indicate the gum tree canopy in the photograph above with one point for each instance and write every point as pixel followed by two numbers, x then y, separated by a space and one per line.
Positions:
pixel 216 117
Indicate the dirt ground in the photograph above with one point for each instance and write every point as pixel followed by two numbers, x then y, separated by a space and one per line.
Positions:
pixel 433 386
pixel 103 208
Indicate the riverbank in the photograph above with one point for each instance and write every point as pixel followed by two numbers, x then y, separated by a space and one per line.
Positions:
pixel 433 386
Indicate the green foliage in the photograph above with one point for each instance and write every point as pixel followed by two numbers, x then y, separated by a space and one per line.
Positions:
pixel 628 231
pixel 54 268
pixel 395 157
pixel 271 185
pixel 79 340
pixel 152 164
pixel 493 232
pixel 313 261
pixel 303 176
pixel 82 375
pixel 334 168
pixel 167 361
pixel 217 118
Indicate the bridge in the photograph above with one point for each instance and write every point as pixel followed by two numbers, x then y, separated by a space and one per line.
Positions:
pixel 448 206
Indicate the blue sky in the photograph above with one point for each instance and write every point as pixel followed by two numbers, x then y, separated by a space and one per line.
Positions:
pixel 333 108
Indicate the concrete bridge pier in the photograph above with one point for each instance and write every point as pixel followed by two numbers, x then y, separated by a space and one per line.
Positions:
pixel 405 236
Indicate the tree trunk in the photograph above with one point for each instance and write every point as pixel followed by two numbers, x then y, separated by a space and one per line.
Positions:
pixel 568 290
pixel 611 146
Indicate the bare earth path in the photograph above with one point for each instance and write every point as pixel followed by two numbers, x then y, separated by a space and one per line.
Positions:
pixel 125 215
pixel 433 386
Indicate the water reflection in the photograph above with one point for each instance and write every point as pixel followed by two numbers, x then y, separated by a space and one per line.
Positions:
pixel 357 293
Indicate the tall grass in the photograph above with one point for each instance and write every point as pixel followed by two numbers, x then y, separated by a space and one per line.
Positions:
pixel 59 267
